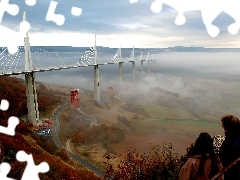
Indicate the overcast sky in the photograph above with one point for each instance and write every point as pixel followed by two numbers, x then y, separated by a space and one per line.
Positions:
pixel 119 23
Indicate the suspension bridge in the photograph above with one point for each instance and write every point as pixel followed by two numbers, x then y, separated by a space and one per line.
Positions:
pixel 40 60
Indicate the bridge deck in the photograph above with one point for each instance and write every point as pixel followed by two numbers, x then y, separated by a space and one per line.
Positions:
pixel 17 72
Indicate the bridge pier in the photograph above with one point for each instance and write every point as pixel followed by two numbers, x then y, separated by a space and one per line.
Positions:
pixel 32 105
pixel 133 71
pixel 133 65
pixel 96 84
pixel 148 67
pixel 142 68
pixel 148 60
pixel 120 72
pixel 96 75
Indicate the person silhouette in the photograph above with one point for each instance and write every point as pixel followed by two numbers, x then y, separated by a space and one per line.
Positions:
pixel 202 163
pixel 230 148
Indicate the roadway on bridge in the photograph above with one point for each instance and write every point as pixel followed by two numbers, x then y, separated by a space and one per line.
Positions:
pixel 55 130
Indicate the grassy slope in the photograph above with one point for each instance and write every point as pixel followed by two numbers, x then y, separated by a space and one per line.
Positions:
pixel 183 127
pixel 173 115
pixel 163 112
pixel 42 149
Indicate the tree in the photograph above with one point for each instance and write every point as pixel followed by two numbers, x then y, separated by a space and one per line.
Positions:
pixel 162 162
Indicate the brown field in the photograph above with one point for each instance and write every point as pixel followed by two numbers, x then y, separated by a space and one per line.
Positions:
pixel 141 141
pixel 163 112
pixel 171 125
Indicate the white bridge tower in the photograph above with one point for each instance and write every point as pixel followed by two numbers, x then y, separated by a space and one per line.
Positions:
pixel 96 76
pixel 32 105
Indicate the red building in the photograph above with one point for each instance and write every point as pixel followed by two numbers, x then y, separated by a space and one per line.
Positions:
pixel 74 98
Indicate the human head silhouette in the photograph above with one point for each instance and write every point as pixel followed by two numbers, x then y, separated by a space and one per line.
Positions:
pixel 204 144
pixel 231 124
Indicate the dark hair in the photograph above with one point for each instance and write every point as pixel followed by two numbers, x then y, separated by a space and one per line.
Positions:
pixel 202 146
pixel 231 124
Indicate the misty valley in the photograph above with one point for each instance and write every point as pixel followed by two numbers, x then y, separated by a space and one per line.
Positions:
pixel 184 94
pixel 163 106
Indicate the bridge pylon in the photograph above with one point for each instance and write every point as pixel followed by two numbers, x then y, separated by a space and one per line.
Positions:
pixel 142 64
pixel 133 65
pixel 32 104
pixel 148 59
pixel 96 77
pixel 120 67
pixel 120 79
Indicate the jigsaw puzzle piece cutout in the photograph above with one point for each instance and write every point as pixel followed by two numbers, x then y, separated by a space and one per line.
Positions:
pixel 59 19
pixel 180 19
pixel 12 123
pixel 133 1
pixel 31 171
pixel 11 9
pixel 14 36
pixel 231 7
pixel 210 10
pixel 4 170
pixel 30 2
pixel 4 105
pixel 156 6
pixel 180 6
pixel 24 27
pixel 76 11
pixel 11 43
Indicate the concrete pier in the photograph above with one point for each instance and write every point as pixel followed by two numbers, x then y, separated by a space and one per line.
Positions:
pixel 133 71
pixel 96 84
pixel 133 65
pixel 32 105
pixel 96 75
pixel 120 72
pixel 148 64
pixel 142 68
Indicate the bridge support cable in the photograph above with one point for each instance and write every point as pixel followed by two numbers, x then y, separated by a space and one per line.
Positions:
pixel 15 60
pixel 9 61
pixel 3 57
pixel 43 61
pixel 39 62
pixel 39 59
pixel 64 64
pixel 116 57
pixel 86 58
pixel 19 57
pixel 43 58
pixel 49 59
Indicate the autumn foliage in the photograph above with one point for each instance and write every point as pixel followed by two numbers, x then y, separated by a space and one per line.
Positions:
pixel 42 148
pixel 161 163
pixel 95 134
pixel 14 90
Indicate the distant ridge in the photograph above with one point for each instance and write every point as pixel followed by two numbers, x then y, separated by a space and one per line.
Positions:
pixel 106 50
